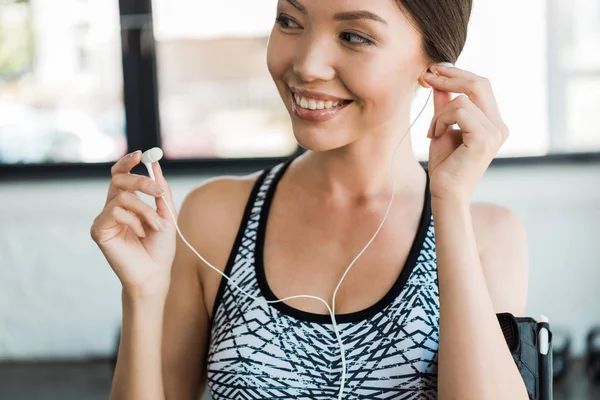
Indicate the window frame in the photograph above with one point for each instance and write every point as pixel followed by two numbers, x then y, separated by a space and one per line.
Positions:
pixel 140 93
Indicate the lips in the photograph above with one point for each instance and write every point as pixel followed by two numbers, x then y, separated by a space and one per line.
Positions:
pixel 318 114
pixel 315 106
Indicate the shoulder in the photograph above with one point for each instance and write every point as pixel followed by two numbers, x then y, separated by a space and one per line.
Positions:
pixel 211 214
pixel 208 219
pixel 503 250
pixel 218 195
pixel 496 226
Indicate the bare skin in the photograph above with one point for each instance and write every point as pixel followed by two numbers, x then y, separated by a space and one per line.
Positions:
pixel 292 270
pixel 220 203
pixel 327 206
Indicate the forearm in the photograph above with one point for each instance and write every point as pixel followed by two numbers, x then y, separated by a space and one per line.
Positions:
pixel 138 373
pixel 474 361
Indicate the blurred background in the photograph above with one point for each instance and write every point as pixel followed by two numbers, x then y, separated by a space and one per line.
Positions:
pixel 83 82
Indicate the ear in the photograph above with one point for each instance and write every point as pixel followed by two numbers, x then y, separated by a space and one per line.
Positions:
pixel 421 79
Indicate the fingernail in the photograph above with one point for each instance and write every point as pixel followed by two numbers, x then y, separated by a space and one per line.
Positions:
pixel 445 64
pixel 156 188
pixel 429 75
pixel 134 153
pixel 158 225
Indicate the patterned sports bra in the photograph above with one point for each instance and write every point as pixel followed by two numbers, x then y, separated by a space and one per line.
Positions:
pixel 274 351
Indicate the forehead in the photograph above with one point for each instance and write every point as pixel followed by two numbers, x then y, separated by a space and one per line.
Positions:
pixel 387 9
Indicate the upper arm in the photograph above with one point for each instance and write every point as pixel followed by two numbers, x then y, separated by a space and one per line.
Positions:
pixel 186 323
pixel 208 219
pixel 503 251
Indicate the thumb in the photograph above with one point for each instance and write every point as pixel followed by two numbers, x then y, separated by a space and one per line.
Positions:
pixel 440 99
pixel 161 207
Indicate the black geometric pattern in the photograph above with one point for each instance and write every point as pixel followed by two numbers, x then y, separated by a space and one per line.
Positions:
pixel 257 352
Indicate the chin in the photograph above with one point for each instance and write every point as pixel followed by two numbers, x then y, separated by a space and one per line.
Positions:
pixel 319 140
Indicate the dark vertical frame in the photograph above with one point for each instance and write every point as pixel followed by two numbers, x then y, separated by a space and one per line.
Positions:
pixel 140 91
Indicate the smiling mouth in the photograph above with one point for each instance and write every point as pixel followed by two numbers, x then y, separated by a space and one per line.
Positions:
pixel 308 103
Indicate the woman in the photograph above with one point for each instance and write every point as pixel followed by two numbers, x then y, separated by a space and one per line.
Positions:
pixel 417 310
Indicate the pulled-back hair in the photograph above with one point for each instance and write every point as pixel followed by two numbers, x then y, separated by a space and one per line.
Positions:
pixel 443 25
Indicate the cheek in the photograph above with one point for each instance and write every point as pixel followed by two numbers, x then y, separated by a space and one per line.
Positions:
pixel 376 82
pixel 277 58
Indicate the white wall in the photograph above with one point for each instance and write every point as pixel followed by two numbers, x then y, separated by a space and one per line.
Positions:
pixel 59 298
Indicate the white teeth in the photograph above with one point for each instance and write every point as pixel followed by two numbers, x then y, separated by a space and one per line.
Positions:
pixel 314 104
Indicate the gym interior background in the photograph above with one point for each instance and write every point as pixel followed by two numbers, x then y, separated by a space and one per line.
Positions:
pixel 82 82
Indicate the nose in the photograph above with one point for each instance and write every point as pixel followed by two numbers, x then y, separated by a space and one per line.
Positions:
pixel 314 60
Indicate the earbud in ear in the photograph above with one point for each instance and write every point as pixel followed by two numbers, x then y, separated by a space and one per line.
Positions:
pixel 149 157
pixel 446 64
pixel 429 70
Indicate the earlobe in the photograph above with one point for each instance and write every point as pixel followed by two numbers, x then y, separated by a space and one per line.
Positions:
pixel 422 82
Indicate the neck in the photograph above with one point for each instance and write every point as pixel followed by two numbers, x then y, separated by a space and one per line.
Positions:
pixel 361 170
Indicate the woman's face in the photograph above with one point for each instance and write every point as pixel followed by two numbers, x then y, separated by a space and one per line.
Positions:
pixel 343 68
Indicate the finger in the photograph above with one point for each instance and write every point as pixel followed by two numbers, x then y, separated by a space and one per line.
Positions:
pixel 455 136
pixel 120 216
pixel 461 116
pixel 440 102
pixel 479 91
pixel 454 72
pixel 133 183
pixel 161 206
pixel 134 204
pixel 440 99
pixel 123 166
pixel 463 101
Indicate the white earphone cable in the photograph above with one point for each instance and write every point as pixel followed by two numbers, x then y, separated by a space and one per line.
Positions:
pixel 332 308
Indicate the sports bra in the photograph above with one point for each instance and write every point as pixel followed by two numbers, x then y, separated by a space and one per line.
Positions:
pixel 274 351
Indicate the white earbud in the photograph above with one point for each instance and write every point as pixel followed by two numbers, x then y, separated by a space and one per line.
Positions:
pixel 446 64
pixel 149 157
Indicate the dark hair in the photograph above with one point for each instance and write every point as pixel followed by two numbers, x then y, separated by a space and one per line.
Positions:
pixel 443 25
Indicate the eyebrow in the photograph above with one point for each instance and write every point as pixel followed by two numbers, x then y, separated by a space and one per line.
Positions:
pixel 298 6
pixel 345 16
pixel 353 15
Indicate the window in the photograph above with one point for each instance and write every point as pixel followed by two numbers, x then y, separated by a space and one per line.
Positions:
pixel 60 82
pixel 190 76
pixel 576 75
pixel 216 97
pixel 543 59
pixel 208 108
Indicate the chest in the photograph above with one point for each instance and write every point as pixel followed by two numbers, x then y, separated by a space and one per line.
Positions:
pixel 391 349
pixel 286 358
pixel 306 250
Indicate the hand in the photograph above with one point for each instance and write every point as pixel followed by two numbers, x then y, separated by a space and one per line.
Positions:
pixel 458 158
pixel 137 240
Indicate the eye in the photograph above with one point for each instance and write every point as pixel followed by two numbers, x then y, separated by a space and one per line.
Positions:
pixel 355 40
pixel 286 22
